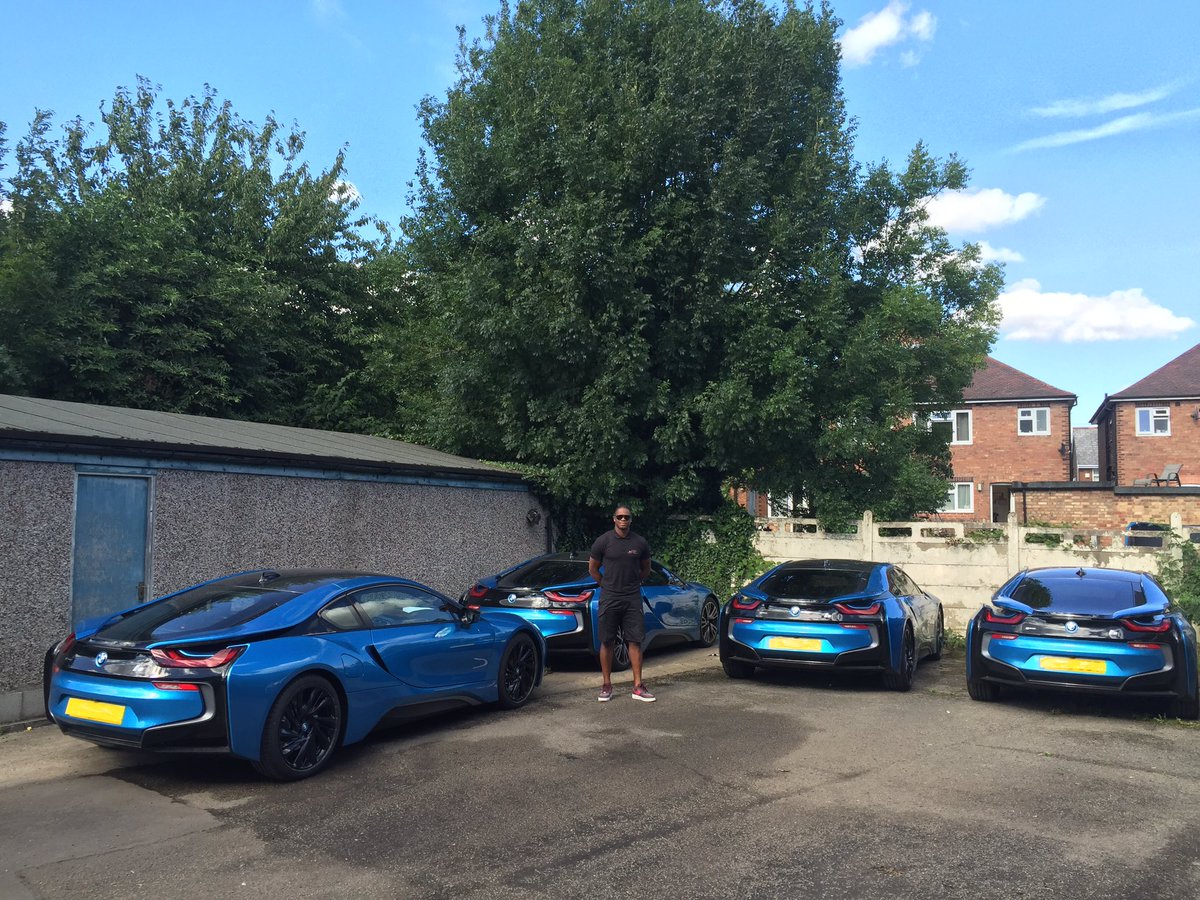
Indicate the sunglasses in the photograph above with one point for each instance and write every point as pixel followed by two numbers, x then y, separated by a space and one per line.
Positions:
pixel 622 517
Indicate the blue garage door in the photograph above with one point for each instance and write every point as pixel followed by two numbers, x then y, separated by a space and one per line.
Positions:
pixel 112 518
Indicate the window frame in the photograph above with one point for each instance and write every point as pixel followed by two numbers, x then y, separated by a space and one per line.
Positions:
pixel 1152 412
pixel 445 605
pixel 950 417
pixel 1029 414
pixel 953 490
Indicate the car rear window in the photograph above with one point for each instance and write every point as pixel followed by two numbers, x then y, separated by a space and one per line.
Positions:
pixel 196 611
pixel 541 573
pixel 815 584
pixel 1099 596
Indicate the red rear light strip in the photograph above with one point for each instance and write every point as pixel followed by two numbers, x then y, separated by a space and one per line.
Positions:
pixel 558 597
pixel 1015 619
pixel 872 610
pixel 745 603
pixel 1157 628
pixel 175 686
pixel 176 659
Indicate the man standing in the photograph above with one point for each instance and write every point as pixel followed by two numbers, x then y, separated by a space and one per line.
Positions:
pixel 620 562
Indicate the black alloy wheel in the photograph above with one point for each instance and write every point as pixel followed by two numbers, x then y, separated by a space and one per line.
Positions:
pixel 903 680
pixel 518 671
pixel 939 640
pixel 710 621
pixel 302 730
pixel 620 652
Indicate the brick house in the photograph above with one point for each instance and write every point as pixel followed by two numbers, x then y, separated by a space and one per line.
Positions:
pixel 1087 454
pixel 1011 427
pixel 1153 424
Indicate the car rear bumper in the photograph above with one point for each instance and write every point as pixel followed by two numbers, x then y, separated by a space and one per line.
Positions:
pixel 145 717
pixel 1038 663
pixel 813 645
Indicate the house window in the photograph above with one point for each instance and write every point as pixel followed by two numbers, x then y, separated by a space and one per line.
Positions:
pixel 956 425
pixel 960 498
pixel 1153 420
pixel 1033 421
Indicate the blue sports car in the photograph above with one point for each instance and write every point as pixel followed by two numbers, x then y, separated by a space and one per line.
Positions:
pixel 281 668
pixel 556 593
pixel 1097 630
pixel 832 614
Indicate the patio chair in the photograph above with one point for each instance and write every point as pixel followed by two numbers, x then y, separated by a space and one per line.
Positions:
pixel 1169 476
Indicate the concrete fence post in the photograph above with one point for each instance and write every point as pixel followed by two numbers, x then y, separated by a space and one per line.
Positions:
pixel 1014 545
pixel 866 535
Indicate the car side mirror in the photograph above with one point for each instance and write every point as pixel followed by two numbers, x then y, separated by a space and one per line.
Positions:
pixel 468 616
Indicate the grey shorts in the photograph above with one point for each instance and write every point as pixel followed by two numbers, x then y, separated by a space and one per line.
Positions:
pixel 625 613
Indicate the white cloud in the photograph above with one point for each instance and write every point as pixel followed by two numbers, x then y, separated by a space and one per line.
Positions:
pixel 1136 122
pixel 1111 103
pixel 6 206
pixel 988 253
pixel 1031 314
pixel 345 192
pixel 327 10
pixel 981 209
pixel 888 26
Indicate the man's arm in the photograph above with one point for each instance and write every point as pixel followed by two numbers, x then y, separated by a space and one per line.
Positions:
pixel 645 568
pixel 594 568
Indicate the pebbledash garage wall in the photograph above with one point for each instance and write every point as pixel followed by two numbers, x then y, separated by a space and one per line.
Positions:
pixel 225 497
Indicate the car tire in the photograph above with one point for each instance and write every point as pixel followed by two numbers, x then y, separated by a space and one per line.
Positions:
pixel 984 691
pixel 710 621
pixel 303 729
pixel 1185 708
pixel 518 672
pixel 939 641
pixel 903 680
pixel 620 653
pixel 737 669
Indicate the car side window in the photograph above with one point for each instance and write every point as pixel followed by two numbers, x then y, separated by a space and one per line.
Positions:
pixel 657 577
pixel 341 615
pixel 908 587
pixel 402 605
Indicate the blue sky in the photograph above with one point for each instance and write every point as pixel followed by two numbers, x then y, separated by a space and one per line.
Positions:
pixel 1080 122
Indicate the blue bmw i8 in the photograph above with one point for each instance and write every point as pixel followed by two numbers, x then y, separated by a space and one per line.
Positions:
pixel 1097 630
pixel 832 614
pixel 282 668
pixel 555 593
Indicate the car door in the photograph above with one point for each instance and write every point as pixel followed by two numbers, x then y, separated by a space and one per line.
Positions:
pixel 660 606
pixel 677 604
pixel 422 640
pixel 923 606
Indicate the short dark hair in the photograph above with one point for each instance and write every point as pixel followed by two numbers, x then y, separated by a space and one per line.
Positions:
pixel 621 506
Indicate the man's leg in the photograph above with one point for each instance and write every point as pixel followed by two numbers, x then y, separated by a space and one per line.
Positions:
pixel 606 655
pixel 635 661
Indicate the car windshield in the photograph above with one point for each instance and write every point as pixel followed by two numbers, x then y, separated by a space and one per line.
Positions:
pixel 196 611
pixel 541 573
pixel 1072 594
pixel 815 584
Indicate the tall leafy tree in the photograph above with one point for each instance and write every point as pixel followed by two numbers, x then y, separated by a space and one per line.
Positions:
pixel 185 259
pixel 664 268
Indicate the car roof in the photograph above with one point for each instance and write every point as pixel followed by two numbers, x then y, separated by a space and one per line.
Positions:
pixel 1088 572
pixel 283 579
pixel 850 565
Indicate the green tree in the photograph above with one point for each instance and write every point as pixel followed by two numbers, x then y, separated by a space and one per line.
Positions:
pixel 663 266
pixel 186 260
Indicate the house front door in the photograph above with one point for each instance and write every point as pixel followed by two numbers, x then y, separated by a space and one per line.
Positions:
pixel 1001 502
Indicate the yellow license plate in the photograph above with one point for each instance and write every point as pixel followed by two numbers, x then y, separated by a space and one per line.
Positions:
pixel 1071 664
pixel 95 711
pixel 813 645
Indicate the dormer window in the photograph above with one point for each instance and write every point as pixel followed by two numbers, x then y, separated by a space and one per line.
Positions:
pixel 1153 420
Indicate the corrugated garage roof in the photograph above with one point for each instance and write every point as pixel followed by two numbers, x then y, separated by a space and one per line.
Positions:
pixel 32 423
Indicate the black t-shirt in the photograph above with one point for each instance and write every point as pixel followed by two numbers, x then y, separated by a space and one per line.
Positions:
pixel 621 561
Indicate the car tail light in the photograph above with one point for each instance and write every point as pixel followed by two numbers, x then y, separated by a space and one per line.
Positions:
pixel 994 617
pixel 1147 646
pixel 744 603
pixel 177 659
pixel 575 599
pixel 477 592
pixel 1156 628
pixel 858 627
pixel 743 621
pixel 63 648
pixel 175 686
pixel 872 610
pixel 1004 637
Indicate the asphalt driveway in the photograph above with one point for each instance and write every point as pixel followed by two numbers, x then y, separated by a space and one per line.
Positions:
pixel 785 786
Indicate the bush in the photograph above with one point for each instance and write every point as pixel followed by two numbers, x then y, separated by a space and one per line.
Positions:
pixel 1179 571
